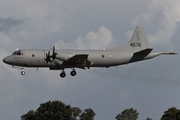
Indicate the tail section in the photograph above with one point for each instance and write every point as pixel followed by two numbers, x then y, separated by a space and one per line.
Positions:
pixel 138 41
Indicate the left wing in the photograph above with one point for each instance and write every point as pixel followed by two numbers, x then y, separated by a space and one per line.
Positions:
pixel 79 61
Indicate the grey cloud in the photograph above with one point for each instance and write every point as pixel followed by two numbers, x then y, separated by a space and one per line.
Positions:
pixel 7 23
pixel 150 86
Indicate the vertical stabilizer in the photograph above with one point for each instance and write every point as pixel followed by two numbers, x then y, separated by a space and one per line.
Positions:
pixel 138 41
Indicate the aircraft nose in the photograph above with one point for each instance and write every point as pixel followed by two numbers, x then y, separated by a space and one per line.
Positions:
pixel 6 60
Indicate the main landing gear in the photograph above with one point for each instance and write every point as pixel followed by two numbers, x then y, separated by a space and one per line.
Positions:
pixel 73 73
pixel 63 74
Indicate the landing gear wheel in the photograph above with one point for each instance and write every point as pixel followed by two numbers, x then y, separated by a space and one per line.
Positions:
pixel 22 73
pixel 63 74
pixel 73 73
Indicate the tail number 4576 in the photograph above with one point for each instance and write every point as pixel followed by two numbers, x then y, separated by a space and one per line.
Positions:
pixel 135 44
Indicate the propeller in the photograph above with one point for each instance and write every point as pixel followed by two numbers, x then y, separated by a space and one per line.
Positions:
pixel 53 56
pixel 47 57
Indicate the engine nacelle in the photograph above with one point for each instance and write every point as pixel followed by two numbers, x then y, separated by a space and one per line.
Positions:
pixel 50 59
pixel 64 56
pixel 58 62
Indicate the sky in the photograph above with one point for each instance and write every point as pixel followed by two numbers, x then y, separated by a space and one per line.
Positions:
pixel 150 86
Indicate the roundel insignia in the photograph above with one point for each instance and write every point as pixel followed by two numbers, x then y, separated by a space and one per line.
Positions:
pixel 110 55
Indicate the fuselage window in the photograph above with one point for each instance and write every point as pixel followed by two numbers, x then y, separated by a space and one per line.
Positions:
pixel 102 56
pixel 14 53
pixel 32 55
pixel 17 53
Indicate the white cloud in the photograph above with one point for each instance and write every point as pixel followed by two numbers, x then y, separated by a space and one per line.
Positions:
pixel 129 34
pixel 38 20
pixel 167 14
pixel 100 40
pixel 5 40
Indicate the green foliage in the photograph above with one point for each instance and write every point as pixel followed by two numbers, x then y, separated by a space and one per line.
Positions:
pixel 29 115
pixel 128 114
pixel 149 118
pixel 56 110
pixel 75 112
pixel 88 114
pixel 171 114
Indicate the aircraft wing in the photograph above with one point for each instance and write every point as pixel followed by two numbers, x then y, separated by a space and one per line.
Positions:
pixel 79 61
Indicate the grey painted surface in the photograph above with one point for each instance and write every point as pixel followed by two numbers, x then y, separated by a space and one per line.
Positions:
pixel 135 50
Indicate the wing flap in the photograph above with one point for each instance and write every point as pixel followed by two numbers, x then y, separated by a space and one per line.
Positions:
pixel 79 61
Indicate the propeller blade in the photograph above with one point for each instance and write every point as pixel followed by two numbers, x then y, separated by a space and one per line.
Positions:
pixel 53 50
pixel 48 57
pixel 48 53
pixel 54 54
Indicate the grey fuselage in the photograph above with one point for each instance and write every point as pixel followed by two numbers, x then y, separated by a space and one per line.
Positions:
pixel 135 50
pixel 98 58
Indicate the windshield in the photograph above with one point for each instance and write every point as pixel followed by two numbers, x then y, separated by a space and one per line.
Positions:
pixel 17 53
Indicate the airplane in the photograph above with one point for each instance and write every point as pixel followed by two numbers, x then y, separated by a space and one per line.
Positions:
pixel 135 50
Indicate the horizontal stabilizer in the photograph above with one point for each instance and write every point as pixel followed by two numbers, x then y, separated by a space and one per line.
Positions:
pixel 170 53
pixel 144 52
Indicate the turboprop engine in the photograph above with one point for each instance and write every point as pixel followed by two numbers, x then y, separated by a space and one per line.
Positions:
pixel 64 56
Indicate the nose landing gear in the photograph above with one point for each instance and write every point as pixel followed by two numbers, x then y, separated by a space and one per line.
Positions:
pixel 22 69
pixel 22 72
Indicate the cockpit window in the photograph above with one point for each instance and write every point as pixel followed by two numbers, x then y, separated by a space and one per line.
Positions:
pixel 17 53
